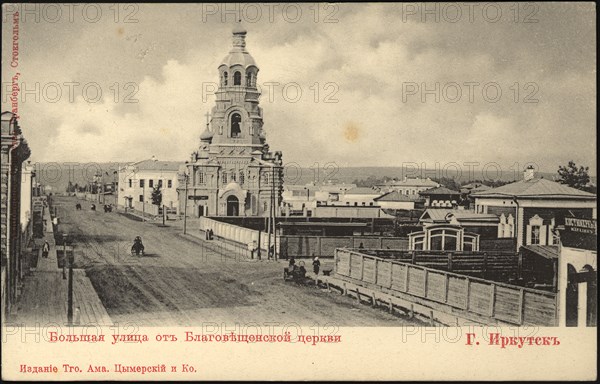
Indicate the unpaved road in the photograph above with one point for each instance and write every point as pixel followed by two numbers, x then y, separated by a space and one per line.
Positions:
pixel 182 282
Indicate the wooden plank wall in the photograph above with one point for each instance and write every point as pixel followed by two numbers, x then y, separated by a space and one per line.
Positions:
pixel 508 303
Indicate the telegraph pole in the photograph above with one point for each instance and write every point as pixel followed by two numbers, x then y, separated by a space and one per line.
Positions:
pixel 70 290
pixel 64 236
pixel 185 203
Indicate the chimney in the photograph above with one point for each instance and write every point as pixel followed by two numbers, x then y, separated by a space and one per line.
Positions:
pixel 529 173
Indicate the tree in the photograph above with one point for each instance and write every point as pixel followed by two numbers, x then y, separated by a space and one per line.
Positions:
pixel 156 195
pixel 574 177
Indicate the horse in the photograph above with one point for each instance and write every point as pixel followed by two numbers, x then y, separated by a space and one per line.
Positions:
pixel 137 248
pixel 78 207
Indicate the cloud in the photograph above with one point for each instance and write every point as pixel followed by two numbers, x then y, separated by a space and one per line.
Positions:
pixel 352 76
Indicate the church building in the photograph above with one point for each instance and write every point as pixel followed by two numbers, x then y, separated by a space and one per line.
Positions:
pixel 233 173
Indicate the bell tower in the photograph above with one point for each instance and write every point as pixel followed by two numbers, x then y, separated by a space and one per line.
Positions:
pixel 236 116
pixel 233 173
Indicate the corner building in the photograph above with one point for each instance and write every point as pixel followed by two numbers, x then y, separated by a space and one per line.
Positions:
pixel 233 173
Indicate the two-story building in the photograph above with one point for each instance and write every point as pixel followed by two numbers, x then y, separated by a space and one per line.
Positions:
pixel 138 180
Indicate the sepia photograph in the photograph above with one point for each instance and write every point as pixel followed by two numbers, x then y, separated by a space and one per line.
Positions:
pixel 378 191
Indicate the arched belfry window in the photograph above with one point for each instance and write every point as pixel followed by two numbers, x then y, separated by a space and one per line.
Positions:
pixel 224 78
pixel 236 122
pixel 237 78
pixel 249 79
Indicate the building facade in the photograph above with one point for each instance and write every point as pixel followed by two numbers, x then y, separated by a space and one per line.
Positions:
pixel 529 209
pixel 14 151
pixel 409 186
pixel 233 173
pixel 138 180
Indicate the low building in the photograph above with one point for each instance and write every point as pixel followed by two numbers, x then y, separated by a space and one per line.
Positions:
pixel 483 224
pixel 443 237
pixel 440 197
pixel 529 209
pixel 138 180
pixel 398 201
pixel 408 186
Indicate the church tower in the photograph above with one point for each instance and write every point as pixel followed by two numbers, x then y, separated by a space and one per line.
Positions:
pixel 233 173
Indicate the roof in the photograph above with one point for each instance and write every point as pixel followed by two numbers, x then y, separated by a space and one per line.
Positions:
pixel 416 182
pixel 440 215
pixel 439 191
pixel 363 191
pixel 397 196
pixel 536 188
pixel 547 251
pixel 156 165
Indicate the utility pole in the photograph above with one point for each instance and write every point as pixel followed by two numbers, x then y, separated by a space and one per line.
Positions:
pixel 144 203
pixel 164 207
pixel 185 203
pixel 70 290
pixel 274 215
pixel 64 236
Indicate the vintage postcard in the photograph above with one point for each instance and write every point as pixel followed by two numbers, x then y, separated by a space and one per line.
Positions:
pixel 299 191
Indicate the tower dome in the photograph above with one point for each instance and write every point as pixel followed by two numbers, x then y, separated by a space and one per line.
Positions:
pixel 238 55
pixel 207 135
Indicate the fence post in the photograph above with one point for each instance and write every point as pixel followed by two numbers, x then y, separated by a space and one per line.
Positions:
pixel 521 302
pixel 413 257
pixel 485 265
pixel 376 262
pixel 362 266
pixel 446 287
pixel 493 300
pixel 449 261
pixel 349 264
pixel 468 293
pixel 425 285
pixel 391 272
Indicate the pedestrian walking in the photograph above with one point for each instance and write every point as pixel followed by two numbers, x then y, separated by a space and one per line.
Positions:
pixel 45 249
pixel 316 265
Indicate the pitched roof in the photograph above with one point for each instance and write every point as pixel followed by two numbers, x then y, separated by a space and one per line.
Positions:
pixel 156 165
pixel 547 251
pixel 440 215
pixel 536 188
pixel 397 196
pixel 363 191
pixel 417 182
pixel 439 191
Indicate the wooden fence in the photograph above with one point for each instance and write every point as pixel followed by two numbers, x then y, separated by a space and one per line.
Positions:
pixel 499 266
pixel 325 246
pixel 459 294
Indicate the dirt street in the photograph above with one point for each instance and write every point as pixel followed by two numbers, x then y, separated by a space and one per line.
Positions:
pixel 182 282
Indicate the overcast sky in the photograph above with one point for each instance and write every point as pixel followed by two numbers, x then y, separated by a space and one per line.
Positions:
pixel 361 69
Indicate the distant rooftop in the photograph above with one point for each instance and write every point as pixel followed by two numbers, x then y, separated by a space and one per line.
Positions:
pixel 416 182
pixel 397 196
pixel 439 191
pixel 536 188
pixel 156 165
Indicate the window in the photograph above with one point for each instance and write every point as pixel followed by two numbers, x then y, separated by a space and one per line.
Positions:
pixel 237 78
pixel 224 177
pixel 200 177
pixel 224 78
pixel 535 234
pixel 236 120
pixel 141 198
pixel 160 183
pixel 266 178
pixel 169 183
pixel 130 183
pixel 151 183
pixel 142 183
pixel 233 176
pixel 241 177
pixel 248 79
